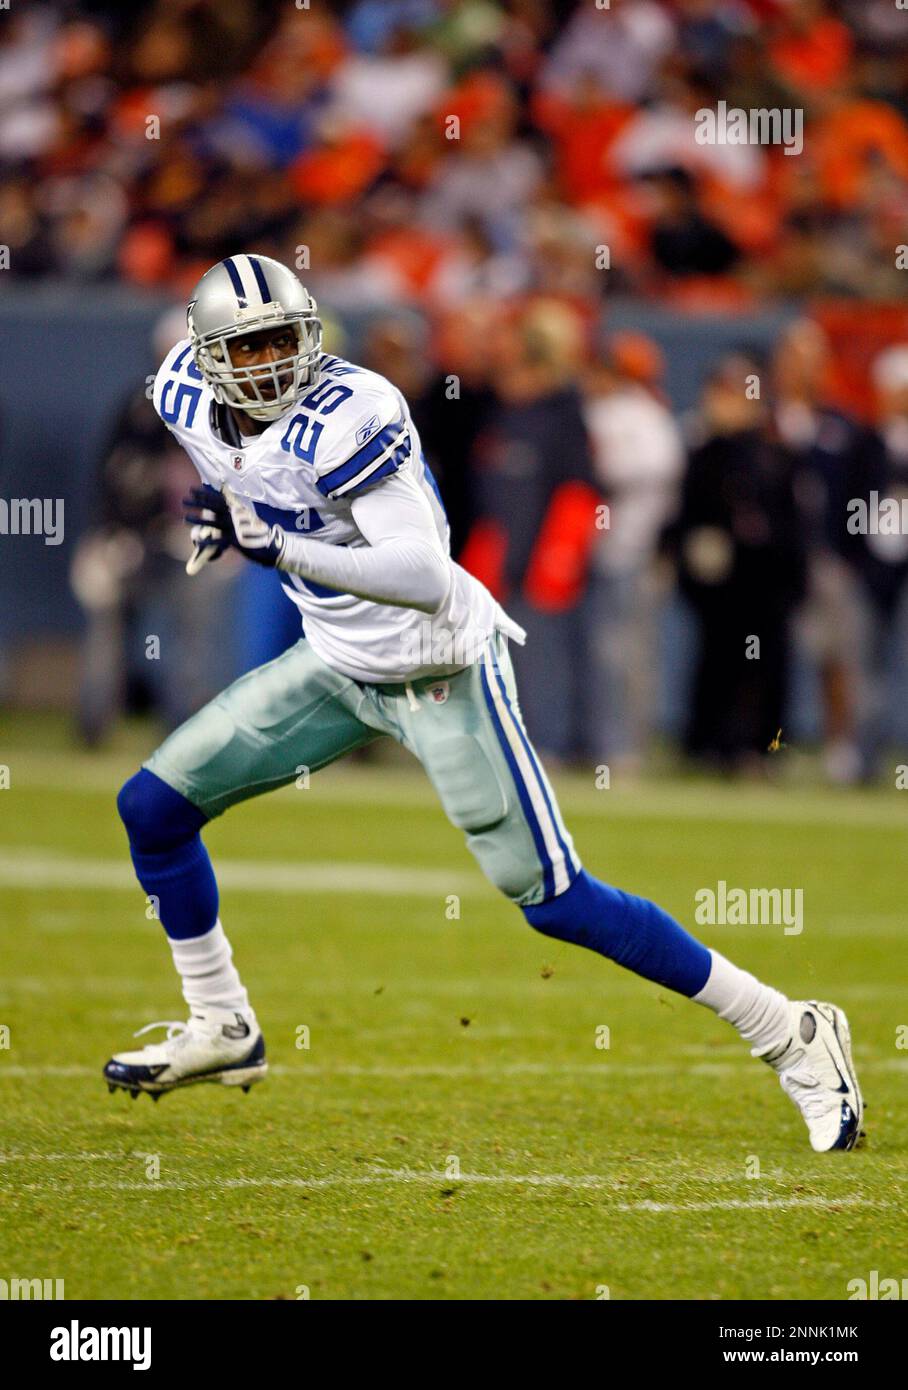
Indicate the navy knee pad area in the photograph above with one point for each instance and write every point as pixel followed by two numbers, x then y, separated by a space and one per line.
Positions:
pixel 170 860
pixel 156 817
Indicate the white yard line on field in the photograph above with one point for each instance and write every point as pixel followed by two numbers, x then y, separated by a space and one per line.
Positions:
pixel 40 869
pixel 402 1073
pixel 601 1069
pixel 755 1204
pixel 33 868
pixel 432 1177
pixel 377 1172
pixel 65 1158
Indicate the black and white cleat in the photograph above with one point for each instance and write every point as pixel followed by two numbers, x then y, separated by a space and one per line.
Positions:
pixel 816 1069
pixel 220 1046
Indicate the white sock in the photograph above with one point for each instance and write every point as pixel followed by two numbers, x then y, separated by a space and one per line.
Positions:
pixel 759 1012
pixel 205 965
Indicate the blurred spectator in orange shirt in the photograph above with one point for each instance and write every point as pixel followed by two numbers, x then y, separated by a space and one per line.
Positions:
pixel 342 166
pixel 853 136
pixel 810 48
pixel 583 124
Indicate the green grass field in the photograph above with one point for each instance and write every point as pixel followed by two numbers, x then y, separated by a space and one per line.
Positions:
pixel 452 1130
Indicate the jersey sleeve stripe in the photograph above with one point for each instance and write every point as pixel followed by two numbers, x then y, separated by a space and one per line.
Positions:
pixel 391 445
pixel 387 468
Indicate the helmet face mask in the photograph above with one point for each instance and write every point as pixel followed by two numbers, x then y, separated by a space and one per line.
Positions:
pixel 237 298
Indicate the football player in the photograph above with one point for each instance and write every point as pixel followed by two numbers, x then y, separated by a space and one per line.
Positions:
pixel 312 465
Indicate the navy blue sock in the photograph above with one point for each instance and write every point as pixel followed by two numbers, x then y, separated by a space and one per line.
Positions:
pixel 170 860
pixel 629 930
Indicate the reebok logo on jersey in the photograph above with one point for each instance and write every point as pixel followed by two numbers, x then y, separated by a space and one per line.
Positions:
pixel 367 430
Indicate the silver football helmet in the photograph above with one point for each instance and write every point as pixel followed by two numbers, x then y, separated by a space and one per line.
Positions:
pixel 243 295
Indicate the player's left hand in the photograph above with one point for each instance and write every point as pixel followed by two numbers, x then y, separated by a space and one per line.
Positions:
pixel 221 519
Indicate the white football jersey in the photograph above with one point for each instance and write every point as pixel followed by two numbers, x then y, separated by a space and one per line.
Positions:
pixel 341 437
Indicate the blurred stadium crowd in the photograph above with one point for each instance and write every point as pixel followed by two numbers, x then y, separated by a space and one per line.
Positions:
pixel 481 179
pixel 330 127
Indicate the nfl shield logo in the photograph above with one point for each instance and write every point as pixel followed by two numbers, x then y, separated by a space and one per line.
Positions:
pixel 439 692
pixel 238 462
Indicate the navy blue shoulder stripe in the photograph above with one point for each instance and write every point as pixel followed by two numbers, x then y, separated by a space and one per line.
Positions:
pixel 390 445
pixel 361 484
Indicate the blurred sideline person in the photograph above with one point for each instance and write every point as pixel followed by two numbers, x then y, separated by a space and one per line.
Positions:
pixel 638 459
pixel 883 559
pixel 826 447
pixel 455 405
pixel 449 409
pixel 148 640
pixel 536 527
pixel 741 567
